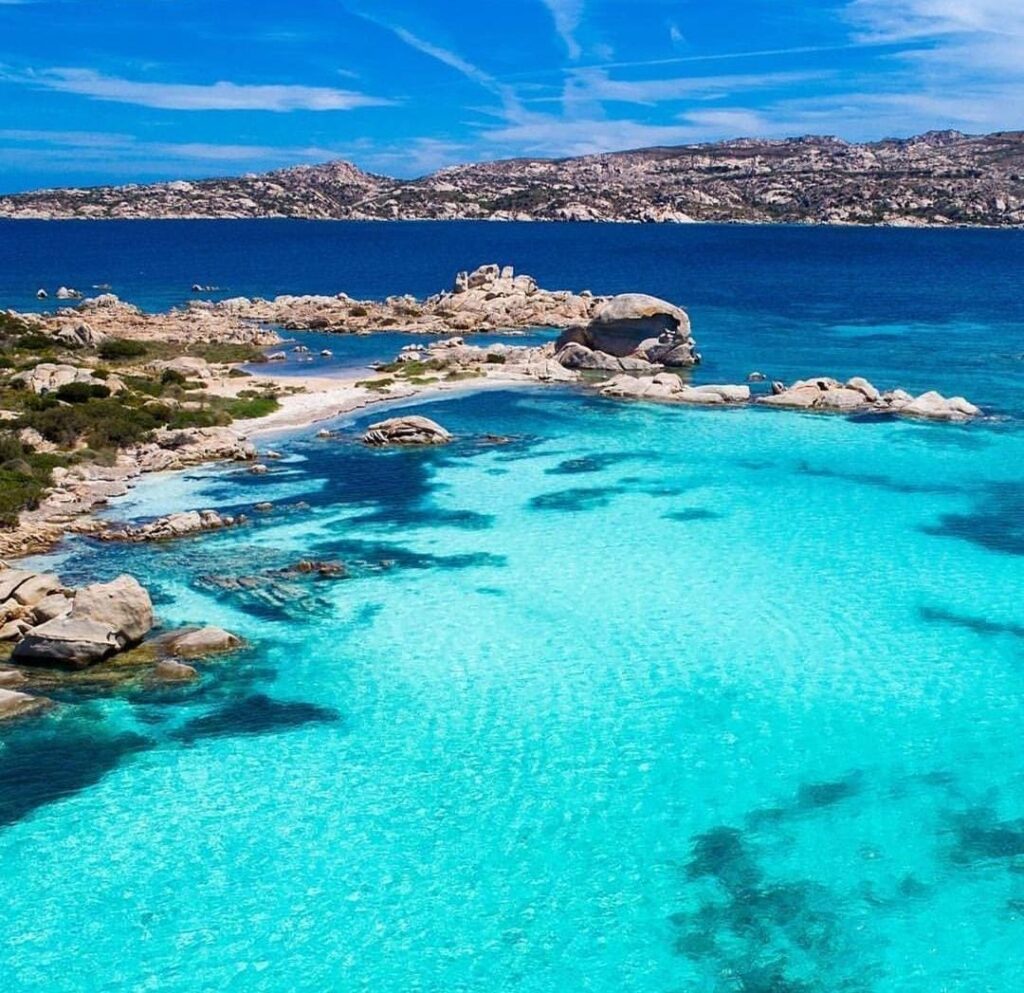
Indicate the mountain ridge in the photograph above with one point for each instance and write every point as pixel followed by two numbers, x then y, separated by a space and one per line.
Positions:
pixel 937 178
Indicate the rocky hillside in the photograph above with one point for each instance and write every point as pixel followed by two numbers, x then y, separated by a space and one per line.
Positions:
pixel 937 178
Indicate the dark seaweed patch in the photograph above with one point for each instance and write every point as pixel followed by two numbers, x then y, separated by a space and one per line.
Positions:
pixel 979 625
pixel 815 796
pixel 876 480
pixel 762 936
pixel 41 767
pixel 420 517
pixel 691 514
pixel 981 837
pixel 996 523
pixel 589 463
pixel 254 714
pixel 575 499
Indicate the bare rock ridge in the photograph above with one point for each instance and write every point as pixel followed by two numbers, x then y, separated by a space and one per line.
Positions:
pixel 938 178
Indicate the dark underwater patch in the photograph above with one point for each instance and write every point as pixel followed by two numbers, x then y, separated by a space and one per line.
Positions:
pixel 762 936
pixel 576 499
pixel 996 523
pixel 422 517
pixel 817 796
pixel 38 767
pixel 691 514
pixel 979 625
pixel 875 479
pixel 590 463
pixel 253 715
pixel 981 837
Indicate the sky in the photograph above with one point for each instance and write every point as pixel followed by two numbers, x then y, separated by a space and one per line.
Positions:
pixel 98 91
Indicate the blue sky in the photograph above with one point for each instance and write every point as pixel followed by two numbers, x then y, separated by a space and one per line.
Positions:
pixel 128 90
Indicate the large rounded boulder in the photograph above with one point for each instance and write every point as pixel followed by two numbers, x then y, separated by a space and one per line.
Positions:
pixel 639 326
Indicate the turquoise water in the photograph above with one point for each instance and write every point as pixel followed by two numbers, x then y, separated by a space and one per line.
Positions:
pixel 644 699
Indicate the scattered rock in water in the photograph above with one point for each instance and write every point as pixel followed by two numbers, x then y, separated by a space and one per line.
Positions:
pixel 412 430
pixel 177 525
pixel 669 387
pixel 857 395
pixel 67 293
pixel 171 671
pixel 14 703
pixel 756 377
pixel 198 642
pixel 258 469
pixel 309 567
pixel 264 507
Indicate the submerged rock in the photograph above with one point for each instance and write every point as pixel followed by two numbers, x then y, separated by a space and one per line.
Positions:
pixel 16 704
pixel 170 671
pixel 413 430
pixel 197 642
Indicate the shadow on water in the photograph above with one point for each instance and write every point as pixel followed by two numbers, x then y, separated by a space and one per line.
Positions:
pixel 50 761
pixel 254 714
pixel 996 522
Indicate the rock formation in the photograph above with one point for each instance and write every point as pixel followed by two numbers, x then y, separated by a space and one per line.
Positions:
pixel 411 430
pixel 632 332
pixel 103 619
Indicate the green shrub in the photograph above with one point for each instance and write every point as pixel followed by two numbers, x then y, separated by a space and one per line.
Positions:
pixel 171 377
pixel 121 348
pixel 245 407
pixel 82 392
pixel 493 358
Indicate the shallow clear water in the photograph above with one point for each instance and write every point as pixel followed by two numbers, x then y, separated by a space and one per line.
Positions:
pixel 645 699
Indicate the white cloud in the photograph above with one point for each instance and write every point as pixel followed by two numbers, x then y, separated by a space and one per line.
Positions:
pixel 188 96
pixel 567 15
pixel 596 84
pixel 84 145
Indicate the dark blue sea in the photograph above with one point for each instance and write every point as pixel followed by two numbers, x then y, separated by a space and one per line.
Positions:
pixel 931 308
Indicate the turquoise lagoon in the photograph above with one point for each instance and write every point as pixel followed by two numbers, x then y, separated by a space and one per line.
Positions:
pixel 644 698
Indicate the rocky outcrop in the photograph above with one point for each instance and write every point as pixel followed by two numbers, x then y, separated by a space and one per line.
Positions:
pixel 488 299
pixel 179 448
pixel 406 431
pixel 939 178
pixel 632 332
pixel 179 525
pixel 669 387
pixel 857 395
pixel 105 618
pixel 48 377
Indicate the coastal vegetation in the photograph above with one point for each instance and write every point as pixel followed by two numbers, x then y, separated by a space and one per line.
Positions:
pixel 64 404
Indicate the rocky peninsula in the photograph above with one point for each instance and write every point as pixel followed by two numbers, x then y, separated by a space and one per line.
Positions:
pixel 938 179
pixel 99 393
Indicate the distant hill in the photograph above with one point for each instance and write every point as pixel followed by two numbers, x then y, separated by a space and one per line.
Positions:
pixel 938 178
